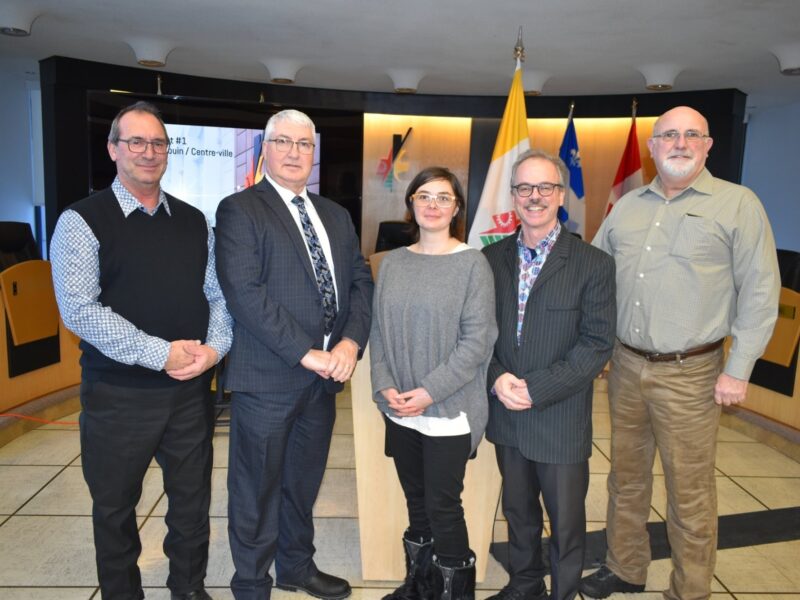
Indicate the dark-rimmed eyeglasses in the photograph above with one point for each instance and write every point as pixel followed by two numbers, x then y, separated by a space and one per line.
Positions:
pixel 139 145
pixel 440 200
pixel 285 145
pixel 524 190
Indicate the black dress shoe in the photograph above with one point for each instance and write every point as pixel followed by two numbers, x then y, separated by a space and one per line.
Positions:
pixel 603 582
pixel 198 594
pixel 510 593
pixel 319 585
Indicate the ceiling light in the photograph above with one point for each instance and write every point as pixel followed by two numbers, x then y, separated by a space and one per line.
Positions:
pixel 660 77
pixel 405 81
pixel 282 70
pixel 533 82
pixel 150 52
pixel 788 56
pixel 17 21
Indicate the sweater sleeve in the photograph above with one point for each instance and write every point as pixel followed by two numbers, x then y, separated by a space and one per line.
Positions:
pixel 477 334
pixel 380 373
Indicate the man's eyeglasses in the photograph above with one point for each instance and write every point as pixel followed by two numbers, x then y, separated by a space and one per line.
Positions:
pixel 440 200
pixel 139 145
pixel 285 145
pixel 672 135
pixel 524 190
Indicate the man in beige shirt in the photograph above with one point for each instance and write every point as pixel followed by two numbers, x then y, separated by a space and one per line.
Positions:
pixel 696 262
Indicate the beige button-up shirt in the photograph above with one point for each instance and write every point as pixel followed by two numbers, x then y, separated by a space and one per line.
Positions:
pixel 693 269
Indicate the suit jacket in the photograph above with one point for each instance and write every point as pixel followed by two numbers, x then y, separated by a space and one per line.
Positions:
pixel 271 290
pixel 567 338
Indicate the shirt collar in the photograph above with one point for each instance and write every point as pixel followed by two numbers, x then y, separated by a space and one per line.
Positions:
pixel 702 184
pixel 286 194
pixel 128 202
pixel 544 246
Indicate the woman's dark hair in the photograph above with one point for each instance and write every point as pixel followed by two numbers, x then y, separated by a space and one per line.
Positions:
pixel 435 174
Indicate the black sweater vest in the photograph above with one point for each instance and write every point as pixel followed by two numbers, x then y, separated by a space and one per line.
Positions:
pixel 152 271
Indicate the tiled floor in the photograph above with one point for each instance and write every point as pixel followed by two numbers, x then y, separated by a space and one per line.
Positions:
pixel 46 538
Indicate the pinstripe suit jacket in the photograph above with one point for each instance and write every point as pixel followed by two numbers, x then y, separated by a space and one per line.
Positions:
pixel 567 337
pixel 271 290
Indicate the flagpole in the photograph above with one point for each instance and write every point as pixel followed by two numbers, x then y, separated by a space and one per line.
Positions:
pixel 571 110
pixel 634 105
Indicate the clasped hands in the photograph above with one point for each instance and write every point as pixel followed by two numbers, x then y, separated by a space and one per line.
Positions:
pixel 189 358
pixel 408 404
pixel 512 392
pixel 337 364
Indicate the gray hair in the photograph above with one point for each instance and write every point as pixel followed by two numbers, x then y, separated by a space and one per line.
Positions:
pixel 292 116
pixel 563 172
pixel 140 106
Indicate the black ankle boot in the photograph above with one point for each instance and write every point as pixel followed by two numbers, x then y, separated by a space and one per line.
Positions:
pixel 416 585
pixel 454 583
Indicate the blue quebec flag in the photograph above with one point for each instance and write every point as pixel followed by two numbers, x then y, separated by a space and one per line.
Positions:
pixel 573 213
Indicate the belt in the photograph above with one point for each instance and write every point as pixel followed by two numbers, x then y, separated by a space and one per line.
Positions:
pixel 675 356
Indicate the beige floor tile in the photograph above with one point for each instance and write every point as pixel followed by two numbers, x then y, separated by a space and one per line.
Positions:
pixel 775 492
pixel 342 454
pixel 43 593
pixel 731 499
pixel 221 442
pixel 71 419
pixel 42 447
pixel 596 498
pixel 344 422
pixel 754 459
pixel 47 551
pixel 337 495
pixel 598 463
pixel 20 483
pixel 753 569
pixel 67 494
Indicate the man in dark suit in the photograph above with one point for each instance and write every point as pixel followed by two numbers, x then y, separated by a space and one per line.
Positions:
pixel 300 295
pixel 556 316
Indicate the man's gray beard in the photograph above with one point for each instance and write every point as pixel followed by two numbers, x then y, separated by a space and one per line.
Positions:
pixel 674 171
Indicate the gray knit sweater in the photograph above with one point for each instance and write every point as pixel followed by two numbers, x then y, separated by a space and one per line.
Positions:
pixel 433 326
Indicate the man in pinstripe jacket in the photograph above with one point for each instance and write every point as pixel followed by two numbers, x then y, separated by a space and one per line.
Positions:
pixel 557 315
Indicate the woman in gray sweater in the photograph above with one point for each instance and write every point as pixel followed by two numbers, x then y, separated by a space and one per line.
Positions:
pixel 433 331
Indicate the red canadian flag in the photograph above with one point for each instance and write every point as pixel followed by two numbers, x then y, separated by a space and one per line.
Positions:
pixel 629 173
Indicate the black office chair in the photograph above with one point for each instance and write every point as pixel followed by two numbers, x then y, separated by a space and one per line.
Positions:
pixel 16 244
pixel 393 234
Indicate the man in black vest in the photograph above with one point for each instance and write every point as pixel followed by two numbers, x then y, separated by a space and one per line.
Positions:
pixel 135 279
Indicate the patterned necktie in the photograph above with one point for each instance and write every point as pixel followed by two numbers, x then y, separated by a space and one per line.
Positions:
pixel 324 280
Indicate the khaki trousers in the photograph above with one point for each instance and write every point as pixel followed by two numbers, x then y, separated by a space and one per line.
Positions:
pixel 669 406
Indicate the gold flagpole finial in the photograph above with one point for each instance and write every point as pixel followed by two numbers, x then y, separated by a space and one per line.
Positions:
pixel 634 104
pixel 158 85
pixel 519 49
pixel 571 109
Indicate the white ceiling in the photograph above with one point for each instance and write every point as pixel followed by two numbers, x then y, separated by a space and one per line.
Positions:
pixel 462 46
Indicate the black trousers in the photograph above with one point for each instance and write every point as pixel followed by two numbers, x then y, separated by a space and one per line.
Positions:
pixel 122 429
pixel 563 489
pixel 278 449
pixel 431 472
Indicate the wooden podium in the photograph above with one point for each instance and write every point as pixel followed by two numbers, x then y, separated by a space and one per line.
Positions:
pixel 28 310
pixel 382 514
